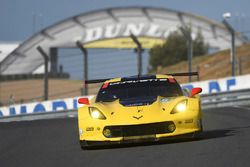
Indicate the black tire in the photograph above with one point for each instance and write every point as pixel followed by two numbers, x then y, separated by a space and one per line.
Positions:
pixel 201 124
pixel 198 134
pixel 84 145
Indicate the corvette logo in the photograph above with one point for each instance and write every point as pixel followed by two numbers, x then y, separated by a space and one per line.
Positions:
pixel 138 117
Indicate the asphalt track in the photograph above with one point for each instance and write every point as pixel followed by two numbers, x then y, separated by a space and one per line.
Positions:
pixel 225 142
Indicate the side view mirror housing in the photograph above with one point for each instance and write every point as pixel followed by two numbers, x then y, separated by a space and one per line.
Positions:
pixel 195 91
pixel 83 101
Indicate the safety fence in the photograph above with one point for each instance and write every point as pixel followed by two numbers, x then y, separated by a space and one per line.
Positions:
pixel 102 63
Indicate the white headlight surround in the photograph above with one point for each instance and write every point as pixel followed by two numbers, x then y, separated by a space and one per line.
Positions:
pixel 96 113
pixel 180 107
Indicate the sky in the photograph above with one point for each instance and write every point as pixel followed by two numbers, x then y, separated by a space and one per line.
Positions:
pixel 19 19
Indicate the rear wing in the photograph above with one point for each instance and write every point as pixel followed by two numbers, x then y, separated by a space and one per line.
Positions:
pixel 183 74
pixel 94 81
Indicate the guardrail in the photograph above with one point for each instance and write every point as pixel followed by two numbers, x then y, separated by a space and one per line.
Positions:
pixel 38 116
pixel 215 100
pixel 223 99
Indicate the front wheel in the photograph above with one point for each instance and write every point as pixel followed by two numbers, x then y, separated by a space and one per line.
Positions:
pixel 198 134
pixel 84 145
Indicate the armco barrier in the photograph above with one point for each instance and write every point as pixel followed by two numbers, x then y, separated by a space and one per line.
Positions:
pixel 232 98
pixel 38 116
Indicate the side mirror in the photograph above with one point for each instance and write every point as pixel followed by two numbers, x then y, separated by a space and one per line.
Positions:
pixel 83 101
pixel 195 91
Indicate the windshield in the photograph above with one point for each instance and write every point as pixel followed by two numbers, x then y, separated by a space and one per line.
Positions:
pixel 138 89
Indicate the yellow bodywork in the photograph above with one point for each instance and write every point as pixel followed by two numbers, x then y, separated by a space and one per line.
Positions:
pixel 159 111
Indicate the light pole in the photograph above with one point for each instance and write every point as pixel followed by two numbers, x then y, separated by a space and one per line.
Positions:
pixel 139 51
pixel 46 74
pixel 187 34
pixel 232 32
pixel 85 63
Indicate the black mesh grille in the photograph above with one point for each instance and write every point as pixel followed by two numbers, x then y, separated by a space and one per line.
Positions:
pixel 139 130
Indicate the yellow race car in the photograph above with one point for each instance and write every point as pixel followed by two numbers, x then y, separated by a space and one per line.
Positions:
pixel 137 109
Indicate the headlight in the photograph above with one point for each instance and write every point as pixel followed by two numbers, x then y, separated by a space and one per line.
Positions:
pixel 180 107
pixel 95 113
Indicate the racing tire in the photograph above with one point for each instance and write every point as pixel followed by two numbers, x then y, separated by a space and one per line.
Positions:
pixel 84 145
pixel 198 134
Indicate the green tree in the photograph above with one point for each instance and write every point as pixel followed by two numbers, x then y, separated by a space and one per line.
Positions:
pixel 200 47
pixel 175 50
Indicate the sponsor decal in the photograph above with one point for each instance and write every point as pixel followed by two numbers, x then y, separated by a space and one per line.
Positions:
pixel 40 107
pixel 221 85
pixel 137 81
pixel 125 29
pixel 90 129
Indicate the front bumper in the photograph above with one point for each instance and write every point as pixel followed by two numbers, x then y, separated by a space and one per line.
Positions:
pixel 88 144
pixel 123 134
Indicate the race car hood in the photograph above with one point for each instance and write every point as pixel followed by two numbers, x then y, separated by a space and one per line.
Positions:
pixel 156 111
